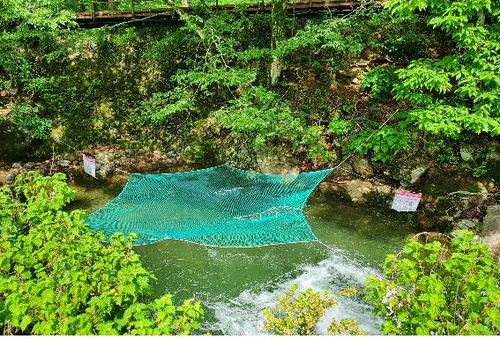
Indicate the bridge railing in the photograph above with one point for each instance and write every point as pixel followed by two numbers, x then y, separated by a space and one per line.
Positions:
pixel 130 5
pixel 91 9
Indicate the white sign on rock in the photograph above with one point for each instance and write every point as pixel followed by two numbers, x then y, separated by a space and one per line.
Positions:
pixel 89 165
pixel 405 201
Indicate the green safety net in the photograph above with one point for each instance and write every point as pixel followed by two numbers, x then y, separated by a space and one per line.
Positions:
pixel 217 206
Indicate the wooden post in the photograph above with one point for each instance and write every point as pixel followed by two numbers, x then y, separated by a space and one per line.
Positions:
pixel 92 10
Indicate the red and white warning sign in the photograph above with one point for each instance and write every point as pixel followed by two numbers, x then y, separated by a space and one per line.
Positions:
pixel 89 165
pixel 405 201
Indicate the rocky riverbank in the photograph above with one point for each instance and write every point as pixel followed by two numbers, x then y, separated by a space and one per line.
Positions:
pixel 450 200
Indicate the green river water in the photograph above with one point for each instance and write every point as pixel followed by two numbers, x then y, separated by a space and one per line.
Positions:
pixel 237 284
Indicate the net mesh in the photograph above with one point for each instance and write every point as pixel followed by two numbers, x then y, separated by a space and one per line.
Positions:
pixel 217 206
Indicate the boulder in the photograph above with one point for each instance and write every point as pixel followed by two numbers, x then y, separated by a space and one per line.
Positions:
pixel 344 170
pixel 105 170
pixel 104 157
pixel 464 224
pixel 10 177
pixel 493 244
pixel 362 166
pixel 407 171
pixel 417 172
pixel 491 221
pixel 490 186
pixel 30 166
pixel 330 187
pixel 383 189
pixel 475 198
pixel 64 162
pixel 491 229
pixel 358 189
pixel 275 159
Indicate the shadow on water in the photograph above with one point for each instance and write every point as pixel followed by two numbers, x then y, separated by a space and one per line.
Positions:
pixel 237 284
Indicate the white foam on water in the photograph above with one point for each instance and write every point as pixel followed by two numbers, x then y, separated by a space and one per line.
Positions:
pixel 243 315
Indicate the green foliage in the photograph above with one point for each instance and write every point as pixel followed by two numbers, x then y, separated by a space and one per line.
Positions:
pixel 313 139
pixel 339 126
pixel 56 277
pixel 136 87
pixel 457 92
pixel 158 109
pixel 27 119
pixel 28 27
pixel 382 142
pixel 397 39
pixel 379 82
pixel 481 170
pixel 24 26
pixel 36 14
pixel 439 288
pixel 259 114
pixel 332 34
pixel 445 151
pixel 217 74
pixel 222 84
pixel 299 314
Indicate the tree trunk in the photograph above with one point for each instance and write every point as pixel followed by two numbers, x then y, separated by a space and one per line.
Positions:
pixel 481 19
pixel 278 18
pixel 111 5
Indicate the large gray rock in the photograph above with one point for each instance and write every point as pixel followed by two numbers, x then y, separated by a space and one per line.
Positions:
pixel 10 177
pixel 357 189
pixel 491 229
pixel 409 173
pixel 64 162
pixel 493 243
pixel 417 173
pixel 30 166
pixel 104 157
pixel 362 166
pixel 105 170
pixel 473 199
pixel 344 170
pixel 491 221
pixel 464 224
pixel 275 159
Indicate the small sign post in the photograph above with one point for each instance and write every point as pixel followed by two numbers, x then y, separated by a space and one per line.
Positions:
pixel 89 165
pixel 405 201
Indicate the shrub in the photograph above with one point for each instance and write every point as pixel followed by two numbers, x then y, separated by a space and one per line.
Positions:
pixel 57 277
pixel 439 288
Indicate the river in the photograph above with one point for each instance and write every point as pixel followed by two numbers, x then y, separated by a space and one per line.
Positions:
pixel 236 284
